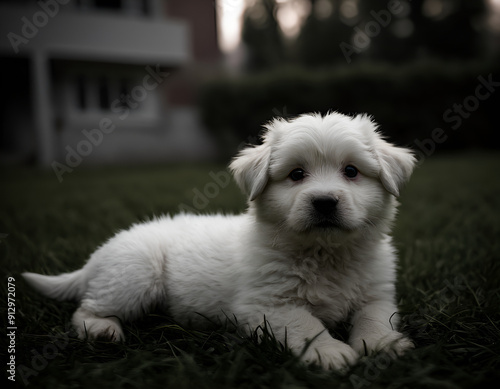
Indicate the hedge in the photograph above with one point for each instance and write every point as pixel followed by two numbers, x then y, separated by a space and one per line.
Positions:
pixel 409 102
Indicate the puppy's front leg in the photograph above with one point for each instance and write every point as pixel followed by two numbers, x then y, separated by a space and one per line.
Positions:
pixel 373 330
pixel 301 328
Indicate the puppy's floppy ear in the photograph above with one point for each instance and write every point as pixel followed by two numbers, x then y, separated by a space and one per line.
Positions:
pixel 251 169
pixel 396 165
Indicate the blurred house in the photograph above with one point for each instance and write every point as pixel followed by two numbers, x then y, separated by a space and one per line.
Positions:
pixel 103 81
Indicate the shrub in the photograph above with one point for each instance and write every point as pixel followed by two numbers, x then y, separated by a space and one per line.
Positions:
pixel 408 102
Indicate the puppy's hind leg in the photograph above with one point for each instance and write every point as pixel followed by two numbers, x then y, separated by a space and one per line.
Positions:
pixel 102 309
pixel 125 294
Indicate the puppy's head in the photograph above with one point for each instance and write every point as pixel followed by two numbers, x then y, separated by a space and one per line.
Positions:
pixel 331 173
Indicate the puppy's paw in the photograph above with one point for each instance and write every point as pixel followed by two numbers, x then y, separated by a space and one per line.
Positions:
pixel 335 356
pixel 393 343
pixel 100 328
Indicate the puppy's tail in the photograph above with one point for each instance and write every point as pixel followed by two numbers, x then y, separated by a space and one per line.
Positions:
pixel 66 286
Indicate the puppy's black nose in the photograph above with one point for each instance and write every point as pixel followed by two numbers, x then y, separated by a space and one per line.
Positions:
pixel 325 205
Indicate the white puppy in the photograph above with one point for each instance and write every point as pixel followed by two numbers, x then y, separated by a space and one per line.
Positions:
pixel 312 249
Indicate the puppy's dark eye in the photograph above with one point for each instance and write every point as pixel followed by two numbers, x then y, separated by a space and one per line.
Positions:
pixel 350 171
pixel 297 174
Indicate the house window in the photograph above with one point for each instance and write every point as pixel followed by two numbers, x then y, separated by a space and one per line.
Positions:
pixel 130 7
pixel 107 93
pixel 124 93
pixel 108 4
pixel 104 102
pixel 81 92
pixel 145 7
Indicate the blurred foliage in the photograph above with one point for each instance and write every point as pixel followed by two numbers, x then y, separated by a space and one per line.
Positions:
pixel 320 37
pixel 407 63
pixel 451 29
pixel 408 101
pixel 263 36
pixel 395 31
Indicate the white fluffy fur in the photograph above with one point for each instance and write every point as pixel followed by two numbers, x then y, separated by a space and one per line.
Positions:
pixel 274 261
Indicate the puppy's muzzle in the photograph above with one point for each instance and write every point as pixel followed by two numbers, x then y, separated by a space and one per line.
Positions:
pixel 325 212
pixel 325 206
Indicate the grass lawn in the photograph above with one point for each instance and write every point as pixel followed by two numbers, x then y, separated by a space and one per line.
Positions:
pixel 448 235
